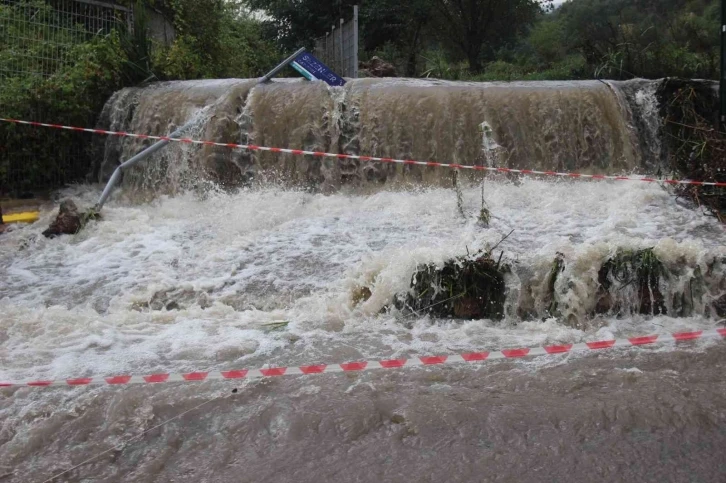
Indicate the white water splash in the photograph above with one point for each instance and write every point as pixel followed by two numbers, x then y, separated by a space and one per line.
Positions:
pixel 233 264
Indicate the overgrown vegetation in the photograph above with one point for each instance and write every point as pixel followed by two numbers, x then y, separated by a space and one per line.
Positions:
pixel 72 94
pixel 697 149
pixel 518 39
pixel 214 39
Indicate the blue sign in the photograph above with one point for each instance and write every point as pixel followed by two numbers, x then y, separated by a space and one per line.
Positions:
pixel 317 69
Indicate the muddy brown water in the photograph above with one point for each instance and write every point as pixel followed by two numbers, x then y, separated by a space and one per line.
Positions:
pixel 185 276
pixel 628 415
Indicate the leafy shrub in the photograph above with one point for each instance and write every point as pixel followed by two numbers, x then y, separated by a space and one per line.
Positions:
pixel 73 95
pixel 214 40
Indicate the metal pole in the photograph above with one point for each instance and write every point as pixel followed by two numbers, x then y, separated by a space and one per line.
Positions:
pixel 334 49
pixel 116 176
pixel 355 42
pixel 281 66
pixel 722 84
pixel 341 56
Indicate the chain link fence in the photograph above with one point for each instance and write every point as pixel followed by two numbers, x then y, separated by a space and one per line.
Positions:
pixel 36 35
pixel 339 48
pixel 37 38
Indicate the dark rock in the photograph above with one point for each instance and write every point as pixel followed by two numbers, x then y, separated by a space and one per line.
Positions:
pixel 177 299
pixel 68 222
pixel 605 304
pixel 361 294
pixel 377 67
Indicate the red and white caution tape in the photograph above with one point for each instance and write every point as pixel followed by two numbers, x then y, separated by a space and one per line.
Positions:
pixel 252 147
pixel 472 357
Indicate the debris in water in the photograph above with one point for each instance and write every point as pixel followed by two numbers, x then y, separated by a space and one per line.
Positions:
pixel 275 325
pixel 485 215
pixel 360 295
pixel 558 266
pixel 175 299
pixel 720 306
pixel 69 220
pixel 459 194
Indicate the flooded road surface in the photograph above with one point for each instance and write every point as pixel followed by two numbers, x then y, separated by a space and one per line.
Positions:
pixel 161 287
pixel 629 415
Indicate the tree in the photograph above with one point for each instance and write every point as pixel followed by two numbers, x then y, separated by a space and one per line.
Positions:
pixel 642 38
pixel 296 23
pixel 473 24
pixel 402 24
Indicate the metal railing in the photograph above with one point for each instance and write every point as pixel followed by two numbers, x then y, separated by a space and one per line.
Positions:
pixel 339 48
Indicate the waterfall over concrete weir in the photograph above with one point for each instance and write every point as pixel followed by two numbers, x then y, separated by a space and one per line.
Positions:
pixel 586 126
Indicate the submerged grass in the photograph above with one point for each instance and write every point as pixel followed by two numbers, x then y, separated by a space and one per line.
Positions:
pixel 696 143
pixel 466 287
pixel 640 268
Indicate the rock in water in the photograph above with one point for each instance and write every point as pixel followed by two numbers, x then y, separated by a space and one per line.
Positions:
pixel 720 306
pixel 68 222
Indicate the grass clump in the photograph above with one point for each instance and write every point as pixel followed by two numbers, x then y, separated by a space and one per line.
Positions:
pixel 638 268
pixel 466 287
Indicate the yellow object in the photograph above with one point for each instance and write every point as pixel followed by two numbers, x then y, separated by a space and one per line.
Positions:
pixel 26 217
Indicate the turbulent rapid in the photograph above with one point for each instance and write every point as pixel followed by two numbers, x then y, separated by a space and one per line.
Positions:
pixel 209 259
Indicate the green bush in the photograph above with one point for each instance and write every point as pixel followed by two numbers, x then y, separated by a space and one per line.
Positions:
pixel 439 67
pixel 214 40
pixel 547 41
pixel 73 95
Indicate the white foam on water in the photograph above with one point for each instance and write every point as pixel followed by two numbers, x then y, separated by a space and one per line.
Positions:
pixel 268 275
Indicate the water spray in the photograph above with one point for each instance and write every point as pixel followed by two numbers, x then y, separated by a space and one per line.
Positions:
pixel 116 176
pixel 69 221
